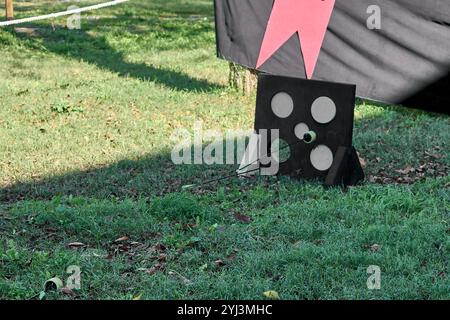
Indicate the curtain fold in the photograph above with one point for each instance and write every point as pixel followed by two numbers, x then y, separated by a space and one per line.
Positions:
pixel 406 61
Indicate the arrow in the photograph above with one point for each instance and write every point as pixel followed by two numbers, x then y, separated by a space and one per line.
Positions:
pixel 308 18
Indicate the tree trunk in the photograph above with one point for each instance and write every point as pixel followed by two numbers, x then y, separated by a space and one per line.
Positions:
pixel 243 79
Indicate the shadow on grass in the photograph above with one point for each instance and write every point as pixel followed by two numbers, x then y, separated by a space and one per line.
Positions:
pixel 80 45
pixel 147 177
pixel 380 138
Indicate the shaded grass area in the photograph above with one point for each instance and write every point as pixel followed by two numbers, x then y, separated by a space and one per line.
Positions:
pixel 398 148
pixel 86 120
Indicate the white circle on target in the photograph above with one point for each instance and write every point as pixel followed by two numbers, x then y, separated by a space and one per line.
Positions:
pixel 323 110
pixel 280 150
pixel 322 158
pixel 300 130
pixel 282 105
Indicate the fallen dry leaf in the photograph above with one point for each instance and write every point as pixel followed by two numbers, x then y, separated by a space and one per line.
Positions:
pixel 76 245
pixel 50 230
pixel 242 218
pixel 160 247
pixel 430 165
pixel 232 255
pixel 121 239
pixel 159 267
pixel 219 263
pixel 189 226
pixel 272 295
pixel 432 155
pixel 319 242
pixel 297 244
pixel 407 170
pixel 363 162
pixel 68 291
pixel 162 257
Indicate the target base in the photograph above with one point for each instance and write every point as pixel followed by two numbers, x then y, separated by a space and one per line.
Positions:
pixel 346 169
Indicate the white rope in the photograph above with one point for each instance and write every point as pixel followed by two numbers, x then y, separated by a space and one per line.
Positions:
pixel 63 13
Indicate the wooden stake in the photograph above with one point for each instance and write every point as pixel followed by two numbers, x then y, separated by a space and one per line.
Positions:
pixel 9 9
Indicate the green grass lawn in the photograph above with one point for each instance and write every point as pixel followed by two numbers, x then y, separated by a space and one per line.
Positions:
pixel 86 118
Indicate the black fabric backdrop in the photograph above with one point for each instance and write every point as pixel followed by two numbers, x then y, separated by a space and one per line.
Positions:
pixel 406 62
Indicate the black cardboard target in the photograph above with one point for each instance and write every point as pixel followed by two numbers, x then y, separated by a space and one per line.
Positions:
pixel 323 107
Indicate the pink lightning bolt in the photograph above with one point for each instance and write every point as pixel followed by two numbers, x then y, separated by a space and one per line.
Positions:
pixel 308 18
